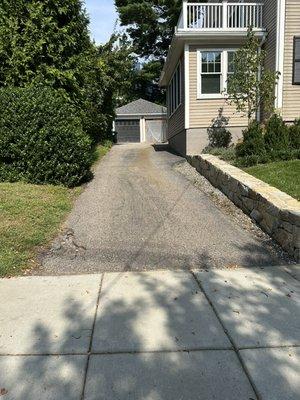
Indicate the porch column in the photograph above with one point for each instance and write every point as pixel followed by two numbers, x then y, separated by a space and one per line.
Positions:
pixel 185 14
pixel 225 14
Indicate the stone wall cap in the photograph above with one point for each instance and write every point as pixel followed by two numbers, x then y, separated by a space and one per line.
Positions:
pixel 271 194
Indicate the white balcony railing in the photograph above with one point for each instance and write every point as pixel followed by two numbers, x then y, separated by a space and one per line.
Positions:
pixel 222 16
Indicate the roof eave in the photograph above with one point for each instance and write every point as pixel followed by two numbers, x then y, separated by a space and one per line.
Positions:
pixel 142 115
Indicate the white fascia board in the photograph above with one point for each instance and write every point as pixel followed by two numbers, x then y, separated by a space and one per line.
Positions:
pixel 217 33
pixel 281 6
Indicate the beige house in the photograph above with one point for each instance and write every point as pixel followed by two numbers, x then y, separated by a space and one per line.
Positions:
pixel 200 61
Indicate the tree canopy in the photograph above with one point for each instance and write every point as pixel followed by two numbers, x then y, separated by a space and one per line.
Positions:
pixel 48 43
pixel 41 40
pixel 150 27
pixel 150 24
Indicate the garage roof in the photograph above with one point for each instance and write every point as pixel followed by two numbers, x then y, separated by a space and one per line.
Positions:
pixel 141 107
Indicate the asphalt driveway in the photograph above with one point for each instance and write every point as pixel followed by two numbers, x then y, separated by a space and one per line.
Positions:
pixel 139 213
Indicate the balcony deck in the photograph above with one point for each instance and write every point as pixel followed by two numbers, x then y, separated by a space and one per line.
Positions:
pixel 224 17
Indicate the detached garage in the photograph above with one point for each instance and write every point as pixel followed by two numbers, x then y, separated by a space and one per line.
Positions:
pixel 141 122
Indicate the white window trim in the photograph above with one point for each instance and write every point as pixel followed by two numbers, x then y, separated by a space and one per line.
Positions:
pixel 224 73
pixel 171 99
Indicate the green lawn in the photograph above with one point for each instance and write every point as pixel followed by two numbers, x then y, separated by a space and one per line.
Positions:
pixel 284 175
pixel 30 216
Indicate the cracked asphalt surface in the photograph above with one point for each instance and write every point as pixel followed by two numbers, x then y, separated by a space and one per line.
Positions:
pixel 140 213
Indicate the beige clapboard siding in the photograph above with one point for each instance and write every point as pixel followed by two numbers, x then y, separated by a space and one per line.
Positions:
pixel 202 112
pixel 291 93
pixel 176 123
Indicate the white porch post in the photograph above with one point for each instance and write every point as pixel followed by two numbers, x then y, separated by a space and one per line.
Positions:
pixel 185 13
pixel 225 14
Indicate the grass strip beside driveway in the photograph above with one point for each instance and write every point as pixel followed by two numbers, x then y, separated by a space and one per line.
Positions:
pixel 284 175
pixel 30 217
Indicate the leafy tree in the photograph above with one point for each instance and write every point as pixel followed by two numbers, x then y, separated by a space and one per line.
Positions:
pixel 47 43
pixel 128 81
pixel 150 24
pixel 41 40
pixel 117 60
pixel 252 85
pixel 145 84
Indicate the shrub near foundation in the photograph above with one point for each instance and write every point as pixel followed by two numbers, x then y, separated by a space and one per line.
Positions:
pixel 253 144
pixel 294 135
pixel 276 135
pixel 275 142
pixel 41 138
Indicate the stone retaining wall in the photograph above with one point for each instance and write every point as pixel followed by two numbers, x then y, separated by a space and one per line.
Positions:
pixel 275 212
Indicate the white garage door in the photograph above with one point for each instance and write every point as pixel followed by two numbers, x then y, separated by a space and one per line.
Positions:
pixel 155 131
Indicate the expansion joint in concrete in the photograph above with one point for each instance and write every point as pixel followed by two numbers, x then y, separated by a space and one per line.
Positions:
pixel 234 346
pixel 92 337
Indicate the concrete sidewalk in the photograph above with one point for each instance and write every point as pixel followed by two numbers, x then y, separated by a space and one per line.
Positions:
pixel 221 334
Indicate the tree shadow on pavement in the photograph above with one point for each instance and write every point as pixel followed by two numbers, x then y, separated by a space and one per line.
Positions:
pixel 49 370
pixel 156 338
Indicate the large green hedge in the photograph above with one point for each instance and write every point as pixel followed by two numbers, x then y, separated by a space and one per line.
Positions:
pixel 47 42
pixel 41 138
pixel 58 90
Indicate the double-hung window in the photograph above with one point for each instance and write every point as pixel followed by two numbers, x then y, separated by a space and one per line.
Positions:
pixel 296 61
pixel 214 69
pixel 174 91
pixel 211 72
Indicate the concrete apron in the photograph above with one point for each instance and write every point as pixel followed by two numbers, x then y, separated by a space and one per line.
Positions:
pixel 222 334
